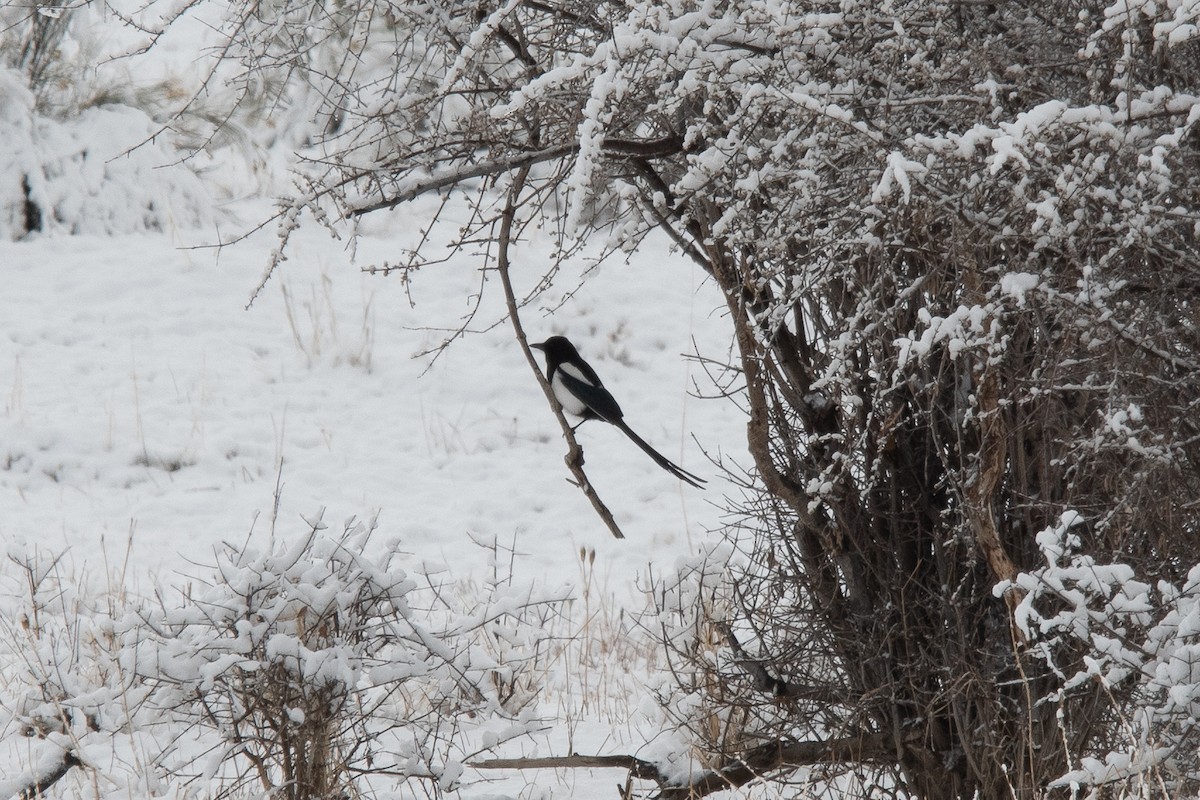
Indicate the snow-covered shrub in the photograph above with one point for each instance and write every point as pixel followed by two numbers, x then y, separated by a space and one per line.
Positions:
pixel 65 700
pixel 104 170
pixel 311 669
pixel 87 146
pixel 690 605
pixel 316 668
pixel 722 661
pixel 1139 637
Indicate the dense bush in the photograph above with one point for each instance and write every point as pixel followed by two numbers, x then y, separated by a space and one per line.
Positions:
pixel 958 247
pixel 314 668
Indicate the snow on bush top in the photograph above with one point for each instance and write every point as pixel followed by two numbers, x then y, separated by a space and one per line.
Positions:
pixel 108 170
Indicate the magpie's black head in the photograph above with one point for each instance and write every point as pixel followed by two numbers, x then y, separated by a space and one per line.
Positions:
pixel 557 349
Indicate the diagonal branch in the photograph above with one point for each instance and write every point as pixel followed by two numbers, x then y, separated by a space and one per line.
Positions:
pixel 574 457
pixel 613 147
pixel 466 172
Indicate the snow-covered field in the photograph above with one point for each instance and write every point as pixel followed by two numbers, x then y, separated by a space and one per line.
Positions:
pixel 143 400
pixel 149 416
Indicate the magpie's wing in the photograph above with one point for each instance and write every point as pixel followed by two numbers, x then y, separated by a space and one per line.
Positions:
pixel 586 373
pixel 595 397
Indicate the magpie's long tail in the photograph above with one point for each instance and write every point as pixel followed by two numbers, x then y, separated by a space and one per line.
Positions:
pixel 659 458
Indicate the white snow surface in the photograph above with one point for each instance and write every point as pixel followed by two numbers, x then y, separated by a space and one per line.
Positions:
pixel 148 415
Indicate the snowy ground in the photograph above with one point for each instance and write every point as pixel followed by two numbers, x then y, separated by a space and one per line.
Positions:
pixel 147 413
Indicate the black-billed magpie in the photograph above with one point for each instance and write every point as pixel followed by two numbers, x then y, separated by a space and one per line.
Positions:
pixel 579 391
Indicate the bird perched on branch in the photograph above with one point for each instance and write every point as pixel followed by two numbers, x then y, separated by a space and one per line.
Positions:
pixel 580 393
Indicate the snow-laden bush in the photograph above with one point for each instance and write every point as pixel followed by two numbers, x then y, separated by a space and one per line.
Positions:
pixel 104 170
pixel 689 606
pixel 720 661
pixel 314 668
pixel 1138 636
pixel 89 147
pixel 957 243
pixel 64 699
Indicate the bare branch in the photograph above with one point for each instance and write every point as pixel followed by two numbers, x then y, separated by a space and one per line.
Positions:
pixel 638 767
pixel 783 754
pixel 574 457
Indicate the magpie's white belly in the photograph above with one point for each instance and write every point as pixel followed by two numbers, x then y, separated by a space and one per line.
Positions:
pixel 570 403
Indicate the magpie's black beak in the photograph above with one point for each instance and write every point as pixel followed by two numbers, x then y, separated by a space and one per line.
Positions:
pixel 539 346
